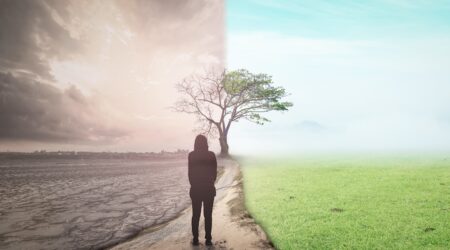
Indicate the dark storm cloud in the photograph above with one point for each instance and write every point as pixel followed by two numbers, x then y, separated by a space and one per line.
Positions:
pixel 36 35
pixel 31 110
pixel 30 35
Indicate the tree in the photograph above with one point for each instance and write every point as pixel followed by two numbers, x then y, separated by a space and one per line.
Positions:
pixel 218 99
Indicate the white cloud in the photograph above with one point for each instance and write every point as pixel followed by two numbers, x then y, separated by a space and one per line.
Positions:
pixel 273 43
pixel 380 94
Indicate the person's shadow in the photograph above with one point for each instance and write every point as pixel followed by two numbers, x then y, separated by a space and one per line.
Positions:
pixel 201 246
pixel 217 245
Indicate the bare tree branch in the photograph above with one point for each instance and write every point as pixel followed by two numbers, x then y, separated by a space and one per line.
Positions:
pixel 219 98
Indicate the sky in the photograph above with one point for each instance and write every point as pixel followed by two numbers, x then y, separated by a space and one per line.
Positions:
pixel 363 75
pixel 101 75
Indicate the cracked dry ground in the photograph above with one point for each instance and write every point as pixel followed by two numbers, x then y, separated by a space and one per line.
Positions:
pixel 79 204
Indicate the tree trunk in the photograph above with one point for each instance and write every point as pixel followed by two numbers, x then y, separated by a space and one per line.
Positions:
pixel 223 146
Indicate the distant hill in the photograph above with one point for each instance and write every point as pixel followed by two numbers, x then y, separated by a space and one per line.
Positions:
pixel 93 155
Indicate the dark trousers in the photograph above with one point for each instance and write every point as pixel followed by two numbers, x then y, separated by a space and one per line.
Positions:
pixel 208 201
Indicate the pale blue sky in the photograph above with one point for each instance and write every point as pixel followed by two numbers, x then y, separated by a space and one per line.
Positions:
pixel 341 19
pixel 363 75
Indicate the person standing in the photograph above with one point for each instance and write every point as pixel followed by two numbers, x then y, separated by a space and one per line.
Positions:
pixel 202 172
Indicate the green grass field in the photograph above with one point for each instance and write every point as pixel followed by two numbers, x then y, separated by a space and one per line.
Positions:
pixel 351 202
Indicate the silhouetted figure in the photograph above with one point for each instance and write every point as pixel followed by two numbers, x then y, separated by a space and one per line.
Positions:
pixel 202 173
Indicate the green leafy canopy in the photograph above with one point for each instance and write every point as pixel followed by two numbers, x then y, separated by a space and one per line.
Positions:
pixel 257 94
pixel 220 98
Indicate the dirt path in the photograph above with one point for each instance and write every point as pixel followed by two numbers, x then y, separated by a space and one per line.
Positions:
pixel 233 227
